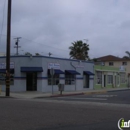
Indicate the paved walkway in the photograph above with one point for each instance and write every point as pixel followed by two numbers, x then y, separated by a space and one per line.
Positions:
pixel 35 94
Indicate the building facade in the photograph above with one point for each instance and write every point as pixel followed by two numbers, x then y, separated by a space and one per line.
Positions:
pixel 109 77
pixel 120 63
pixel 34 73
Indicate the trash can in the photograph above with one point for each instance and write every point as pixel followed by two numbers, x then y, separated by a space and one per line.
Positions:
pixel 61 88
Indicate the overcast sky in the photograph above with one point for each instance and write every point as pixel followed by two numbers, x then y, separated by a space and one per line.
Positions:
pixel 52 25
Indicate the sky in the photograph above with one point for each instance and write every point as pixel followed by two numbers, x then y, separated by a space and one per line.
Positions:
pixel 52 25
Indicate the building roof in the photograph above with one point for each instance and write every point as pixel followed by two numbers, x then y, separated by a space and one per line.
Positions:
pixel 111 58
pixel 20 56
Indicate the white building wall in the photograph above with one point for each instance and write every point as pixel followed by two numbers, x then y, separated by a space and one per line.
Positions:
pixel 42 82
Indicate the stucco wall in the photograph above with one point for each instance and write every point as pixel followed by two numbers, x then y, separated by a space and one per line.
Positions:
pixel 42 83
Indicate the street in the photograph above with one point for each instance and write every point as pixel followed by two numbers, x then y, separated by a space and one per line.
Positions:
pixel 53 114
pixel 118 97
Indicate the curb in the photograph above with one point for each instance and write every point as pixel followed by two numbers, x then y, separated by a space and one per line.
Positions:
pixel 98 92
pixel 71 94
pixel 59 95
pixel 118 90
pixel 6 97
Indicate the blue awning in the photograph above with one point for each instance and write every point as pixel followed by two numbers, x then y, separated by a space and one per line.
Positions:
pixel 88 73
pixel 58 71
pixel 4 70
pixel 31 69
pixel 73 72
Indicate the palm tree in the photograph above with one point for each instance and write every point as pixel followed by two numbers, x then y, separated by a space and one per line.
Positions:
pixel 128 55
pixel 79 50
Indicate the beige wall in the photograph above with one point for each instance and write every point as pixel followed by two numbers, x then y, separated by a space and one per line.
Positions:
pixel 119 64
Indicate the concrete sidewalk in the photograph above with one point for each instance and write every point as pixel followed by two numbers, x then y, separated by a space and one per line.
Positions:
pixel 35 94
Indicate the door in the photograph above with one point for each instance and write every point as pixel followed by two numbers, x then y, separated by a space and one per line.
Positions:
pixel 86 81
pixel 31 81
pixel 104 80
pixel 115 81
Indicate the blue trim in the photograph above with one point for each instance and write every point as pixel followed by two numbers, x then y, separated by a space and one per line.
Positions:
pixel 50 58
pixel 62 78
pixel 31 69
pixel 79 77
pixel 44 77
pixel 19 77
pixel 4 70
pixel 41 78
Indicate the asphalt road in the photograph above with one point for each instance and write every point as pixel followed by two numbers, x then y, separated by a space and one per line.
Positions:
pixel 118 97
pixel 44 114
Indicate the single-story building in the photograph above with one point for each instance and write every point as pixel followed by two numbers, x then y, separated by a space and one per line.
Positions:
pixel 34 73
pixel 109 77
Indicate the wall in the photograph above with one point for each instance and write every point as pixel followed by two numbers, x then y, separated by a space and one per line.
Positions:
pixel 42 61
pixel 108 70
pixel 67 65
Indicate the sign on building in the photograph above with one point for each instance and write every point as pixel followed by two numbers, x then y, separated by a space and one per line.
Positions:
pixel 3 65
pixel 53 65
pixel 122 68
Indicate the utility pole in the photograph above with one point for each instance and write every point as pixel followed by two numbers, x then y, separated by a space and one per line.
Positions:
pixel 49 54
pixel 16 43
pixel 8 49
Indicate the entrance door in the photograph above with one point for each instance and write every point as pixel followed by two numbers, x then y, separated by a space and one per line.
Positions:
pixel 104 80
pixel 115 81
pixel 31 81
pixel 86 81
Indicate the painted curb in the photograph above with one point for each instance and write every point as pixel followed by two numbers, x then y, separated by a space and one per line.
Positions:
pixel 98 92
pixel 118 90
pixel 59 95
pixel 71 94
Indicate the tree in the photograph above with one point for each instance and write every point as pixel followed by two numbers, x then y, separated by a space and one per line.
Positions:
pixel 128 55
pixel 37 54
pixel 28 53
pixel 79 50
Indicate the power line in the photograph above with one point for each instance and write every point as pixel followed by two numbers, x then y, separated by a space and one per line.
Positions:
pixel 37 43
pixel 45 44
pixel 2 20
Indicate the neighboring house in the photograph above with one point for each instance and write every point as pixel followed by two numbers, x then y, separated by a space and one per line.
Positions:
pixel 113 61
pixel 109 77
pixel 33 73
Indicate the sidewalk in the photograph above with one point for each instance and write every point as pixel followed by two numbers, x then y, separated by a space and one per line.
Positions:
pixel 35 94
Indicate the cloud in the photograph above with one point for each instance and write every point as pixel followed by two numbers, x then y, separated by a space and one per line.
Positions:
pixel 51 26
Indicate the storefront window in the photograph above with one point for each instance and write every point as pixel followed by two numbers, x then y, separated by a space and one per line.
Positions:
pixel 69 79
pixel 99 77
pixel 3 78
pixel 55 79
pixel 122 77
pixel 109 79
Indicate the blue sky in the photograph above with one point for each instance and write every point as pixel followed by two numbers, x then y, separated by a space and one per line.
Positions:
pixel 52 25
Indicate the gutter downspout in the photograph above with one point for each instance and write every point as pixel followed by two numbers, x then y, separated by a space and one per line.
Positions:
pixel 75 76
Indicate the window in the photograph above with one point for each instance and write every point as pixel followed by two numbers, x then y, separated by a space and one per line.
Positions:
pixel 122 77
pixel 111 63
pixel 124 63
pixel 69 79
pixel 55 79
pixel 3 78
pixel 109 79
pixel 99 77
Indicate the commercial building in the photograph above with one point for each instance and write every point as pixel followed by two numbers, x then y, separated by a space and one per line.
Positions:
pixel 109 77
pixel 34 73
pixel 113 61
